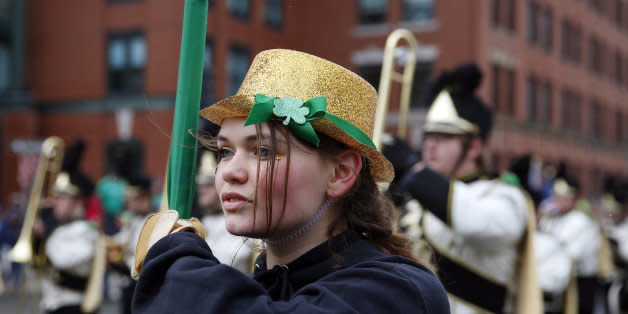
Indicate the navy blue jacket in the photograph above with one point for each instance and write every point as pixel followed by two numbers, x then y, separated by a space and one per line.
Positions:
pixel 347 274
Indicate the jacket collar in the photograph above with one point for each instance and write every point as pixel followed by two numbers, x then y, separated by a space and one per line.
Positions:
pixel 343 250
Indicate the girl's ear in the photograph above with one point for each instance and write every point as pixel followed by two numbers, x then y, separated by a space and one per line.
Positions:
pixel 345 173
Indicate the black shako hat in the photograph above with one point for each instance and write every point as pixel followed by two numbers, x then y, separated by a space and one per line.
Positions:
pixel 71 180
pixel 454 107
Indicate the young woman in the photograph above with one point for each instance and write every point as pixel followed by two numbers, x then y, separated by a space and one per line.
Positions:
pixel 298 170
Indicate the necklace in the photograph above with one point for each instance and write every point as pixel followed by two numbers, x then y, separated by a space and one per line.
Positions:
pixel 302 229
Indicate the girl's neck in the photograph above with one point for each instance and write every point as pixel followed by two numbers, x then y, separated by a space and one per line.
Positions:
pixel 284 252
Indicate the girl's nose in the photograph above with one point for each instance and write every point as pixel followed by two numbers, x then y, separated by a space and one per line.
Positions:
pixel 234 170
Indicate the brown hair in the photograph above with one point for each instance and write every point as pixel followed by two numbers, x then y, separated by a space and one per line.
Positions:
pixel 364 209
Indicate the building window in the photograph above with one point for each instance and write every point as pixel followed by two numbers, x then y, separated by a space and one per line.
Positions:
pixel 126 57
pixel 5 68
pixel 565 40
pixel 120 1
pixel 545 104
pixel 623 126
pixel 420 83
pixel 371 73
pixel 571 37
pixel 546 30
pixel 619 136
pixel 422 73
pixel 619 12
pixel 418 10
pixel 570 110
pixel 596 4
pixel 503 89
pixel 207 93
pixel 503 14
pixel 495 8
pixel 596 124
pixel 372 11
pixel 237 65
pixel 533 17
pixel 273 13
pixel 531 98
pixel 595 56
pixel 619 68
pixel 239 8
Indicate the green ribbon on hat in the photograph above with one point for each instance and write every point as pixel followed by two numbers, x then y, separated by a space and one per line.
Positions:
pixel 298 115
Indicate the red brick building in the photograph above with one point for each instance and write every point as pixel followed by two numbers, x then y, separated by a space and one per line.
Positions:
pixel 557 72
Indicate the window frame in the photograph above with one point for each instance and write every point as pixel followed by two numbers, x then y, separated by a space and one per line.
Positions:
pixel 267 22
pixel 362 19
pixel 239 15
pixel 127 37
pixel 404 10
pixel 232 89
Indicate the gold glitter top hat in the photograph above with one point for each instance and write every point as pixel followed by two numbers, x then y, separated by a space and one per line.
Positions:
pixel 288 73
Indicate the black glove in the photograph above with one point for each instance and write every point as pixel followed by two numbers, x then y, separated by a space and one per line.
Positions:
pixel 402 158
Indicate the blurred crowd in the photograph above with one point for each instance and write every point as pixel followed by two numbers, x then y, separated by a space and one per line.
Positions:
pixel 76 213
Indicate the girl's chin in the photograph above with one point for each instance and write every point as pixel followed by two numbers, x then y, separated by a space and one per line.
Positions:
pixel 243 230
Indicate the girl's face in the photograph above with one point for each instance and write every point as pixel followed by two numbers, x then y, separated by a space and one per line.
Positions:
pixel 299 183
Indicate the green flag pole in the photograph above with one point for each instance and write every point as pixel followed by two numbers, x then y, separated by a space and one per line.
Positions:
pixel 182 160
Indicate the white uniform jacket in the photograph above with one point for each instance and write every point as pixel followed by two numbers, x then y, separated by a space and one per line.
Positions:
pixel 229 249
pixel 579 235
pixel 554 264
pixel 70 249
pixel 478 224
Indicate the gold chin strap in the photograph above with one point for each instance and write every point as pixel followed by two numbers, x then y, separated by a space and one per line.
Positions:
pixel 571 295
pixel 606 266
pixel 529 299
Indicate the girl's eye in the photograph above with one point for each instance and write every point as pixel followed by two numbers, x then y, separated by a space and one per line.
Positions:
pixel 264 152
pixel 224 153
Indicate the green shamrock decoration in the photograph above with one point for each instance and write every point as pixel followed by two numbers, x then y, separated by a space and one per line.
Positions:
pixel 290 108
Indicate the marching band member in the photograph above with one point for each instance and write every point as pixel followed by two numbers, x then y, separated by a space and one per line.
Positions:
pixel 227 248
pixel 297 169
pixel 555 268
pixel 577 233
pixel 138 204
pixel 554 265
pixel 480 229
pixel 70 246
pixel 617 296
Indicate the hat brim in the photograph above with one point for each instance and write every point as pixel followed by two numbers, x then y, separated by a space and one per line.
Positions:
pixel 239 106
pixel 434 127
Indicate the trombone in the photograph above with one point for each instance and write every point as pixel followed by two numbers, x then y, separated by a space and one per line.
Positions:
pixel 49 165
pixel 387 76
pixel 405 79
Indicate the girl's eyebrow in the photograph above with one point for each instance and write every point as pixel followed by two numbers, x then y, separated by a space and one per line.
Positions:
pixel 250 138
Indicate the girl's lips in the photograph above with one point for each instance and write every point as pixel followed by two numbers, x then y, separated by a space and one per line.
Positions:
pixel 234 204
pixel 233 201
